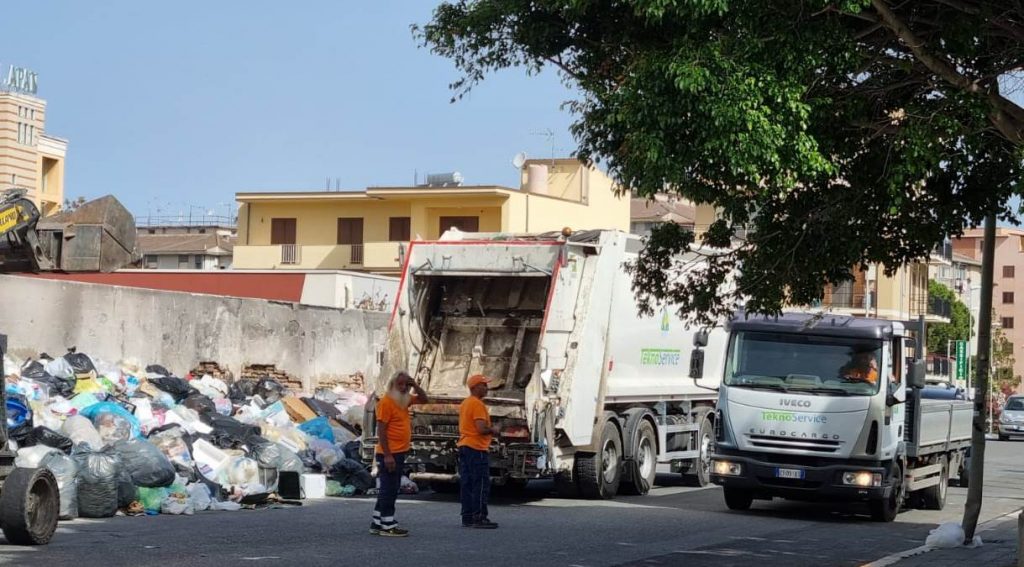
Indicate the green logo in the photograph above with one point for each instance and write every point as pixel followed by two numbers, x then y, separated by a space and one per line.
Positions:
pixel 660 357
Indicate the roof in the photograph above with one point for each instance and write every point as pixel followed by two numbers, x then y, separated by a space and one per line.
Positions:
pixel 211 244
pixel 815 324
pixel 1000 232
pixel 662 209
pixel 962 259
pixel 377 193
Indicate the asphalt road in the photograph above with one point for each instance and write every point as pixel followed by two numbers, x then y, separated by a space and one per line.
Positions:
pixel 675 525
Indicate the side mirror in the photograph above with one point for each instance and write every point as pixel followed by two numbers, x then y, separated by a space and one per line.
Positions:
pixel 697 364
pixel 700 339
pixel 915 379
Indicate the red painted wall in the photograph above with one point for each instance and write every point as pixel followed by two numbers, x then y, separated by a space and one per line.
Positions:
pixel 280 287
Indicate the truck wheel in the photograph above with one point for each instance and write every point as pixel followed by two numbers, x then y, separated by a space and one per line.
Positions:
pixel 963 475
pixel 565 487
pixel 598 475
pixel 934 497
pixel 645 457
pixel 29 506
pixel 885 510
pixel 702 466
pixel 738 499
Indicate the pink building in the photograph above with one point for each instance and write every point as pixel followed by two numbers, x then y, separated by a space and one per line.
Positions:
pixel 1008 281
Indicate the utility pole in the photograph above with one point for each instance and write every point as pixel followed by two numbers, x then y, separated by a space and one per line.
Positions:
pixel 975 491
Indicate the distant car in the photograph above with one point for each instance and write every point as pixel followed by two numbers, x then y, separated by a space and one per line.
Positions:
pixel 942 391
pixel 1011 419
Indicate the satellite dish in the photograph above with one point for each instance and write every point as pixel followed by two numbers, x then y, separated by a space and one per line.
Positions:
pixel 519 160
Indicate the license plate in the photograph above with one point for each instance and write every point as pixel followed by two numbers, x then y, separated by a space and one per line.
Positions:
pixel 789 473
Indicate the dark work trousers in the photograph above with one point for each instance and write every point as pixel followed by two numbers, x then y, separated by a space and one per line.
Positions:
pixel 475 478
pixel 390 482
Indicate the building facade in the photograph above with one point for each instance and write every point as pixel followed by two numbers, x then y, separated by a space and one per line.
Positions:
pixel 186 247
pixel 1007 284
pixel 645 214
pixel 30 158
pixel 366 230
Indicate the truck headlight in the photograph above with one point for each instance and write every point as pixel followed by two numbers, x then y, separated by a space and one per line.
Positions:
pixel 727 468
pixel 862 478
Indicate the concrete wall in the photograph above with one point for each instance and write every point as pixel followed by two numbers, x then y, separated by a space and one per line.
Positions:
pixel 180 329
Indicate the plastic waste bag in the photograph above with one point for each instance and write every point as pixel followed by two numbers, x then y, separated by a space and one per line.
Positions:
pixel 81 431
pixel 80 362
pixel 226 506
pixel 152 498
pixel 199 403
pixel 177 503
pixel 19 412
pixel 266 453
pixel 269 390
pixel 47 437
pixel 290 460
pixel 116 423
pixel 57 368
pixel 242 471
pixel 97 482
pixel 171 442
pixel 352 473
pixel 65 471
pixel 407 486
pixel 176 387
pixel 211 387
pixel 200 496
pixel 325 453
pixel 145 464
pixel 949 534
pixel 158 370
pixel 30 457
pixel 319 428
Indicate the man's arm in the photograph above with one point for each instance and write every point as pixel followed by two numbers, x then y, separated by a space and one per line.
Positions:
pixel 483 429
pixel 382 440
pixel 421 394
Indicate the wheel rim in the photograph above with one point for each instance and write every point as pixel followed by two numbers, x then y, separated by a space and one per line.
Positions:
pixel 39 505
pixel 645 455
pixel 705 454
pixel 609 460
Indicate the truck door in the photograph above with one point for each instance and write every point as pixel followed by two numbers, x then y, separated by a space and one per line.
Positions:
pixel 895 390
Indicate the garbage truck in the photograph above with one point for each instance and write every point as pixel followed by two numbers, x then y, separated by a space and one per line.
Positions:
pixel 826 407
pixel 29 498
pixel 584 390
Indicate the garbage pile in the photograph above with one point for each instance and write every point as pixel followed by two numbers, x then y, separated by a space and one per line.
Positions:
pixel 124 439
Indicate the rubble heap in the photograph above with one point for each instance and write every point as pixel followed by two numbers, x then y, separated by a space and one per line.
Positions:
pixel 120 438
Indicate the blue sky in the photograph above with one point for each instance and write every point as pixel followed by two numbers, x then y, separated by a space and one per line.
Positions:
pixel 184 103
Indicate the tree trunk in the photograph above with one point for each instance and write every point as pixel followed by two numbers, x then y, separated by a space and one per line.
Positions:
pixel 981 388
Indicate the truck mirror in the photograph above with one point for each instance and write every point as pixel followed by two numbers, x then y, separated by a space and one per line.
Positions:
pixel 697 364
pixel 700 339
pixel 916 375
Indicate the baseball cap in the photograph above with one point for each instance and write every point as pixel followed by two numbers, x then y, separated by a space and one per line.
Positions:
pixel 476 379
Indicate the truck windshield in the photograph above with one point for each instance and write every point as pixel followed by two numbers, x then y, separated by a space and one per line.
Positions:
pixel 828 366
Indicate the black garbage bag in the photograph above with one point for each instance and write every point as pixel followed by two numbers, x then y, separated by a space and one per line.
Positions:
pixel 79 361
pixel 45 436
pixel 98 481
pixel 144 463
pixel 351 472
pixel 309 460
pixel 270 390
pixel 266 453
pixel 176 387
pixel 35 371
pixel 352 450
pixel 199 403
pixel 157 369
pixel 20 434
pixel 228 432
pixel 126 491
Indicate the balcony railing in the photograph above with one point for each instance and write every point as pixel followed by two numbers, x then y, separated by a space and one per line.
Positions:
pixel 289 254
pixel 356 254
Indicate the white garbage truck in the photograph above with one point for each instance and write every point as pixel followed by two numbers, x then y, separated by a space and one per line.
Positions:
pixel 584 390
pixel 826 407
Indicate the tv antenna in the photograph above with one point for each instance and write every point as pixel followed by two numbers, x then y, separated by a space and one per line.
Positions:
pixel 549 135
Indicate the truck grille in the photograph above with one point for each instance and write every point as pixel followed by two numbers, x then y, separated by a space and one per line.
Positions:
pixel 770 442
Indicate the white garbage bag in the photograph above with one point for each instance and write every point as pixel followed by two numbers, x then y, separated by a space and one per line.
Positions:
pixel 949 534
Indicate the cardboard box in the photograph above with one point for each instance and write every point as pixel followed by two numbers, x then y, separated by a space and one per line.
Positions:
pixel 297 410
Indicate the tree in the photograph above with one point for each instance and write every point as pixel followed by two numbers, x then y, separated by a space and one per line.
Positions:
pixel 839 134
pixel 73 204
pixel 959 326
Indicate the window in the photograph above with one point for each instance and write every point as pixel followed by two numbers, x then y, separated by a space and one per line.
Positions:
pixel 282 231
pixel 1007 322
pixel 1007 297
pixel 399 229
pixel 151 230
pixel 1009 271
pixel 350 231
pixel 199 262
pixel 463 224
pixel 150 261
pixel 183 262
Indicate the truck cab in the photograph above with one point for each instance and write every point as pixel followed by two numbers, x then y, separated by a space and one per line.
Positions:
pixel 823 407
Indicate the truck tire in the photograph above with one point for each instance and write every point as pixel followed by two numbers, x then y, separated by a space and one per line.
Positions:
pixel 565 486
pixel 738 499
pixel 641 477
pixel 963 475
pixel 701 468
pixel 886 509
pixel 598 475
pixel 29 506
pixel 934 497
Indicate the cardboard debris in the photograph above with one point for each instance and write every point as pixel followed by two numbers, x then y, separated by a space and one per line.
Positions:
pixel 298 410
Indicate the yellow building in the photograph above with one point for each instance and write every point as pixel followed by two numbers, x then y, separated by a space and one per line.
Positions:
pixel 29 157
pixel 364 230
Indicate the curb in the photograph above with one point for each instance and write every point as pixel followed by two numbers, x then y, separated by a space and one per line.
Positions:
pixel 901 555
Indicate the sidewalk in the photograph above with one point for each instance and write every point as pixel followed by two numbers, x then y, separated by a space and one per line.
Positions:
pixel 999 549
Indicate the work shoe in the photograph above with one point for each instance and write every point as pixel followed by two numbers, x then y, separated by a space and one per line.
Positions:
pixel 485 524
pixel 375 528
pixel 393 531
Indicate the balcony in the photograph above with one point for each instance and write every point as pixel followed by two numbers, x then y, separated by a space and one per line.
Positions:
pixel 370 256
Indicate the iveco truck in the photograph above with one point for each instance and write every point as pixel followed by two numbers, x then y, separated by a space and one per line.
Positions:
pixel 824 407
pixel 584 390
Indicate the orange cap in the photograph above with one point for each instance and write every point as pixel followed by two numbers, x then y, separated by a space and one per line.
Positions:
pixel 476 380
